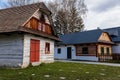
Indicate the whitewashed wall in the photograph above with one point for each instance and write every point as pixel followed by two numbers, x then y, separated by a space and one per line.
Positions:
pixel 44 58
pixel 116 49
pixel 63 54
pixel 11 50
pixel 90 58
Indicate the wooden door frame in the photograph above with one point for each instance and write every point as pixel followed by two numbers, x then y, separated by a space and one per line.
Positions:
pixel 69 57
pixel 38 41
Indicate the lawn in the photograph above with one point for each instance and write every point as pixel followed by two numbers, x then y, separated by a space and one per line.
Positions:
pixel 62 71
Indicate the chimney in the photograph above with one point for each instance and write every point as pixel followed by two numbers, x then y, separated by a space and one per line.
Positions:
pixel 98 28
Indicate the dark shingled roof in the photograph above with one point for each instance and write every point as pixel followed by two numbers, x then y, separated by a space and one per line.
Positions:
pixel 12 19
pixel 114 33
pixel 85 37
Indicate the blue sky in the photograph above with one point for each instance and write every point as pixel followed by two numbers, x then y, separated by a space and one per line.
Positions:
pixel 1 3
pixel 101 13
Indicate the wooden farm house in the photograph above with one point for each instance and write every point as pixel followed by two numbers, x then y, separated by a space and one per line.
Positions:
pixel 26 36
pixel 87 45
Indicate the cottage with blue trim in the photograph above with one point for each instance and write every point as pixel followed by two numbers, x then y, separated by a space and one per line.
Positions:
pixel 87 45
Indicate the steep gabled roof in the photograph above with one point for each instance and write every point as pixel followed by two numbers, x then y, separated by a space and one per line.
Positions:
pixel 85 37
pixel 12 19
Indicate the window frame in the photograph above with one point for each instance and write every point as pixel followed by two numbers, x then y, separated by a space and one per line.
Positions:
pixel 59 50
pixel 47 48
pixel 85 51
pixel 102 50
pixel 107 50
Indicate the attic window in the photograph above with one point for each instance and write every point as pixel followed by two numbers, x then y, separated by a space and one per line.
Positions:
pixel 41 27
pixel 42 19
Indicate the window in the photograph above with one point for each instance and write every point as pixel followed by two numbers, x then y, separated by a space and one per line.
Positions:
pixel 59 50
pixel 41 27
pixel 42 18
pixel 85 50
pixel 47 48
pixel 102 50
pixel 107 50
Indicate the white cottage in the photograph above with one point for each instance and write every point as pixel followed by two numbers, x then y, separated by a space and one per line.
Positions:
pixel 26 36
pixel 93 45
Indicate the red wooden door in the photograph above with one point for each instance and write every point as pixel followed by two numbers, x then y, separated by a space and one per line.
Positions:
pixel 34 50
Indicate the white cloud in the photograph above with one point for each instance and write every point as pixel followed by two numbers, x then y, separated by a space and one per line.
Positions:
pixel 101 5
pixel 104 18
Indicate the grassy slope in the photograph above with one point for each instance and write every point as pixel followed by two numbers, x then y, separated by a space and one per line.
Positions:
pixel 71 71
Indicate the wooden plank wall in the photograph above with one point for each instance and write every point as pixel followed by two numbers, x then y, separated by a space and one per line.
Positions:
pixel 34 23
pixel 91 50
pixel 11 50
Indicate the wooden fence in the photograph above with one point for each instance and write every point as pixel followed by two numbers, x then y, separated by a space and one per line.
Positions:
pixel 105 58
pixel 116 56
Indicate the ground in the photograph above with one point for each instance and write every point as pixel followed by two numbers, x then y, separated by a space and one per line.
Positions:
pixel 62 71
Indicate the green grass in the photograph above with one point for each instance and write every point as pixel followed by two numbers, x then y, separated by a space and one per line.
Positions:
pixel 71 71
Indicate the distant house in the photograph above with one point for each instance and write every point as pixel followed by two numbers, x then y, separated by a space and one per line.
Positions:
pixel 26 36
pixel 87 45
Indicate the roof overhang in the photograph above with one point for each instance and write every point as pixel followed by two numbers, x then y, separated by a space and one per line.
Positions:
pixel 106 42
pixel 30 31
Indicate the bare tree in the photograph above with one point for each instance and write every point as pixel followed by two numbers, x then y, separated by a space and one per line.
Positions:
pixel 67 15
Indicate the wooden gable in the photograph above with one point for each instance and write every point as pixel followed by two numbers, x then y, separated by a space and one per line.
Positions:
pixel 104 37
pixel 39 21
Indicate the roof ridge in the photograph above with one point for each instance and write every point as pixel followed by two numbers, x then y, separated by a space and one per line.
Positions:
pixel 21 6
pixel 111 28
pixel 82 37
pixel 84 31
